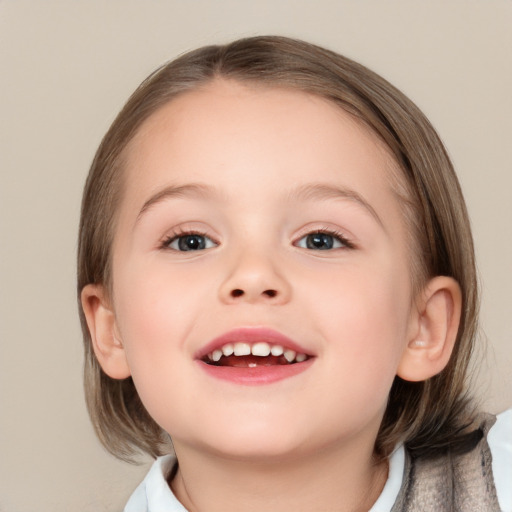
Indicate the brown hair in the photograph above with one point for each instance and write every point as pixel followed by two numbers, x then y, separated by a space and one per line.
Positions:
pixel 426 415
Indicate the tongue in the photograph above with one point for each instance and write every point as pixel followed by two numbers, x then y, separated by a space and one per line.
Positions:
pixel 251 361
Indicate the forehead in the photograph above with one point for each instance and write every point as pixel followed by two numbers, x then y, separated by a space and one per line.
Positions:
pixel 252 126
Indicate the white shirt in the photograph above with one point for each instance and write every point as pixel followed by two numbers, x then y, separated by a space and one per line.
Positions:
pixel 155 495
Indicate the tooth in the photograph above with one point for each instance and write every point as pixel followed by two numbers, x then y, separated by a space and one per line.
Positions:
pixel 289 355
pixel 216 355
pixel 241 349
pixel 260 349
pixel 277 350
pixel 300 358
pixel 210 356
pixel 227 349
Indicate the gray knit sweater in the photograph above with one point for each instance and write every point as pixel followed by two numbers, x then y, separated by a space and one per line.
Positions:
pixel 454 481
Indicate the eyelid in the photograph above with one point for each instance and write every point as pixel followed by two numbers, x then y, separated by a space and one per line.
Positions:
pixel 181 231
pixel 336 232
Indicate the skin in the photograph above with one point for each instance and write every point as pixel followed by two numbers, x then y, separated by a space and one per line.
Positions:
pixel 305 443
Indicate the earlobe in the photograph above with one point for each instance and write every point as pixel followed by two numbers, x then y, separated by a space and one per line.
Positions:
pixel 435 330
pixel 105 339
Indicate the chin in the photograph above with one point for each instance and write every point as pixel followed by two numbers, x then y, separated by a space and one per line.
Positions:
pixel 263 444
pixel 257 450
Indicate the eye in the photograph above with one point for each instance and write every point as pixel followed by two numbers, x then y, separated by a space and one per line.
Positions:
pixel 189 242
pixel 323 241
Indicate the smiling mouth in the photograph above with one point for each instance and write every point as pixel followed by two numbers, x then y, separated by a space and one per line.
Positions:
pixel 247 355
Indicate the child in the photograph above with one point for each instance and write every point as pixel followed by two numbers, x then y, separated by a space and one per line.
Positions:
pixel 276 270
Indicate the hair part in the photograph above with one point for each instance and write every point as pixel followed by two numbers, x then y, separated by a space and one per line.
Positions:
pixel 425 415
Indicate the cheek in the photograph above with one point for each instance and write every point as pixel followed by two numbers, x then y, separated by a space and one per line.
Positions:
pixel 151 314
pixel 154 301
pixel 156 310
pixel 152 340
pixel 364 315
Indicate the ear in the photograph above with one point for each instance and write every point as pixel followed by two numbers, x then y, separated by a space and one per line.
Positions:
pixel 434 328
pixel 106 341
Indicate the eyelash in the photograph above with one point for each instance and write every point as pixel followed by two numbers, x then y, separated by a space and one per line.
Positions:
pixel 345 242
pixel 179 233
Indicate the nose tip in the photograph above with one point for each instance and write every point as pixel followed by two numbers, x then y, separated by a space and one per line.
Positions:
pixel 254 280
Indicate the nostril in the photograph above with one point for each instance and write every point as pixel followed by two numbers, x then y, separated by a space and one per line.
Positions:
pixel 237 292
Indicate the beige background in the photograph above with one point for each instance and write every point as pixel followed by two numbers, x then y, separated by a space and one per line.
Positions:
pixel 67 67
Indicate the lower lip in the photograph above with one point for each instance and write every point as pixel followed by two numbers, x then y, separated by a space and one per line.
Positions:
pixel 257 376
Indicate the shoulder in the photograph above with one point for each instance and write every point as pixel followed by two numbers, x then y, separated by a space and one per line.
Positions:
pixel 154 494
pixel 473 476
pixel 499 439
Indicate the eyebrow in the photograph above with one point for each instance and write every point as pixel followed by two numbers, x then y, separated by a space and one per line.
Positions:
pixel 303 193
pixel 191 190
pixel 323 191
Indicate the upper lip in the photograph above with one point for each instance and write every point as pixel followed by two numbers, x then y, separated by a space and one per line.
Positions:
pixel 251 335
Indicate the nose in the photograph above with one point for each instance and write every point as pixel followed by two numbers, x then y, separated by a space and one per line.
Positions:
pixel 255 279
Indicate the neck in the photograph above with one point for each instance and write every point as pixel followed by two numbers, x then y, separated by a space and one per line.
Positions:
pixel 345 479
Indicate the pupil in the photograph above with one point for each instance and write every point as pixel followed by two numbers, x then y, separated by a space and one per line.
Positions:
pixel 321 241
pixel 191 243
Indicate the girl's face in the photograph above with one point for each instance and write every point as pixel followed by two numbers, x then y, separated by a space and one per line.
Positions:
pixel 261 216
